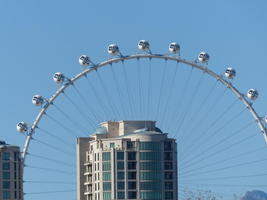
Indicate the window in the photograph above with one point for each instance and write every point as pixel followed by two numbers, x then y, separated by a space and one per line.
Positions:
pixel 131 185
pixel 168 165
pixel 150 176
pixel 150 166
pixel 131 195
pixel 168 175
pixel 168 146
pixel 131 165
pixel 15 156
pixel 6 195
pixel 168 195
pixel 168 156
pixel 120 155
pixel 121 195
pixel 106 156
pixel 6 156
pixel 106 166
pixel 168 186
pixel 107 186
pixel 112 145
pixel 131 155
pixel 150 185
pixel 120 185
pixel 6 166
pixel 120 175
pixel 131 175
pixel 106 196
pixel 106 176
pixel 120 165
pixel 153 146
pixel 6 184
pixel 150 155
pixel 130 145
pixel 6 175
pixel 150 195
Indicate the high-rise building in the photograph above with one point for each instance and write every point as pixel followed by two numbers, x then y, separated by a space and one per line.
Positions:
pixel 10 172
pixel 127 160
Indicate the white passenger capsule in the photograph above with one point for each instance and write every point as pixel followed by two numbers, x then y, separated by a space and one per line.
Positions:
pixel 230 73
pixel 22 127
pixel 252 94
pixel 143 45
pixel 84 60
pixel 174 48
pixel 37 100
pixel 58 77
pixel 265 119
pixel 113 49
pixel 203 57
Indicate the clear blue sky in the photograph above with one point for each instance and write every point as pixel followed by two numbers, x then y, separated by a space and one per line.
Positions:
pixel 38 38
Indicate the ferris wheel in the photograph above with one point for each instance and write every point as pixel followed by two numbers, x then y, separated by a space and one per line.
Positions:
pixel 218 132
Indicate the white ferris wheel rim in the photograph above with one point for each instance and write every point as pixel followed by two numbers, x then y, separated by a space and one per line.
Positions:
pixel 108 62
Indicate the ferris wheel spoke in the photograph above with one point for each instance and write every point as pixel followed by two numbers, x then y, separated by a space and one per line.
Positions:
pixel 188 108
pixel 176 114
pixel 219 162
pixel 53 147
pixel 161 88
pixel 54 136
pixel 50 170
pixel 212 134
pixel 148 90
pixel 85 117
pixel 220 142
pixel 220 151
pixel 105 109
pixel 67 129
pixel 113 107
pixel 71 120
pixel 203 134
pixel 139 78
pixel 86 103
pixel 118 89
pixel 127 88
pixel 52 160
pixel 170 93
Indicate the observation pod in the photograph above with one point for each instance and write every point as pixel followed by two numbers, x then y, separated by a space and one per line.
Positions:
pixel 265 119
pixel 230 73
pixel 174 48
pixel 203 57
pixel 252 94
pixel 113 49
pixel 22 127
pixel 37 100
pixel 58 77
pixel 84 60
pixel 143 45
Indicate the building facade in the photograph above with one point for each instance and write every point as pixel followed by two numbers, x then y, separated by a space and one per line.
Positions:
pixel 10 172
pixel 127 160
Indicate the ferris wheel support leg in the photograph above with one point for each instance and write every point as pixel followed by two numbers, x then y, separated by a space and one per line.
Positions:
pixel 265 137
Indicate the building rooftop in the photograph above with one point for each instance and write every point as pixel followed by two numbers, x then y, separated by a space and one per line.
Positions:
pixel 113 129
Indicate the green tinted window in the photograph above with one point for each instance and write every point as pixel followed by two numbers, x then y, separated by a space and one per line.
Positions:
pixel 6 195
pixel 153 146
pixel 150 155
pixel 150 176
pixel 6 184
pixel 150 195
pixel 107 186
pixel 150 185
pixel 120 185
pixel 106 176
pixel 120 175
pixel 120 165
pixel 6 166
pixel 107 195
pixel 106 156
pixel 6 175
pixel 150 166
pixel 168 195
pixel 120 155
pixel 6 156
pixel 121 195
pixel 106 166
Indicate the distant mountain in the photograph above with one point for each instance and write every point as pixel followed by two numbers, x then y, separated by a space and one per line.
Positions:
pixel 255 195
